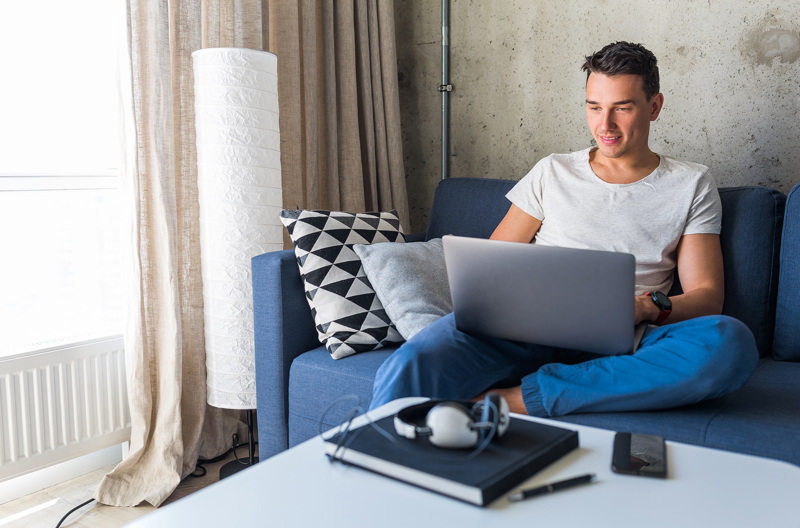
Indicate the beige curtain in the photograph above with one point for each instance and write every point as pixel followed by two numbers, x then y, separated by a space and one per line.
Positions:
pixel 171 423
pixel 341 149
pixel 340 116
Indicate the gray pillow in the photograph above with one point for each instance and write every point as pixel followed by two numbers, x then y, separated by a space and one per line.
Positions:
pixel 410 280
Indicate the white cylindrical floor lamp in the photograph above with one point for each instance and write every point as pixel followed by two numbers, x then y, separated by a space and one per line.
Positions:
pixel 239 184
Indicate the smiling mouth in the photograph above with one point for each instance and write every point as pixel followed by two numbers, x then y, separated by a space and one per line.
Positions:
pixel 610 139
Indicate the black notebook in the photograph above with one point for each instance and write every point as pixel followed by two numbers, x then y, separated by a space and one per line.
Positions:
pixel 526 448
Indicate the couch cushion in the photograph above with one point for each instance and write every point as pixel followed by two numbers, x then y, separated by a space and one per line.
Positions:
pixel 348 315
pixel 787 318
pixel 752 218
pixel 315 382
pixel 410 280
pixel 762 417
pixel 758 419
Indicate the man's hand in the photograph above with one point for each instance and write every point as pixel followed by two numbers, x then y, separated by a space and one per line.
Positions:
pixel 645 310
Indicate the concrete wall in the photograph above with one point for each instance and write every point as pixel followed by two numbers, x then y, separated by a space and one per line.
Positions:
pixel 730 74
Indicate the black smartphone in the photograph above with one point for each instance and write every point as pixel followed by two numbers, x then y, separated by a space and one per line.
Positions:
pixel 639 454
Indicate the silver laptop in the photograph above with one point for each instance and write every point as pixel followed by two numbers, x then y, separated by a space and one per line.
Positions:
pixel 576 299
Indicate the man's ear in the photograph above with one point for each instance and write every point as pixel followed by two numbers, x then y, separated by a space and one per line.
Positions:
pixel 656 103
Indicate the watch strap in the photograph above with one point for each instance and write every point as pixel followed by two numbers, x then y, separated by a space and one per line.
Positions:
pixel 662 316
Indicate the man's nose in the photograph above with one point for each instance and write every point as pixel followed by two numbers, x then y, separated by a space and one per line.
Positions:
pixel 608 121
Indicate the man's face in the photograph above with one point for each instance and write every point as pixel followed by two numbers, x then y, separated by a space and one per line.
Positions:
pixel 619 113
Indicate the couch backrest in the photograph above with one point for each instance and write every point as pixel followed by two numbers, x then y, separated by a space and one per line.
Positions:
pixel 752 222
pixel 751 232
pixel 468 207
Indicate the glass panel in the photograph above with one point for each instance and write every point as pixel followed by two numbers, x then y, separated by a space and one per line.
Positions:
pixel 60 279
pixel 60 271
pixel 59 94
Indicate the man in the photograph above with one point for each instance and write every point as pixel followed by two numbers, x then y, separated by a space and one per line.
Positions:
pixel 617 196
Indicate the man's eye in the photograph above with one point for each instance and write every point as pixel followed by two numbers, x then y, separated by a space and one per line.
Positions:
pixel 623 109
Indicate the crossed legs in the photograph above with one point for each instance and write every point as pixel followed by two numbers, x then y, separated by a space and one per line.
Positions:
pixel 675 365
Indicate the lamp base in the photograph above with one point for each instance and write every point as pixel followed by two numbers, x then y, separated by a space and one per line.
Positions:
pixel 234 467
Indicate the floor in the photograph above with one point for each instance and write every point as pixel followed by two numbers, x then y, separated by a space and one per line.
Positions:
pixel 44 509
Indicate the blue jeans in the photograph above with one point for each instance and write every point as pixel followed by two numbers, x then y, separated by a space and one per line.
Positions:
pixel 676 364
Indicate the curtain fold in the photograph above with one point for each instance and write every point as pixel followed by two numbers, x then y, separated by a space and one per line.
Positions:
pixel 340 113
pixel 172 426
pixel 340 149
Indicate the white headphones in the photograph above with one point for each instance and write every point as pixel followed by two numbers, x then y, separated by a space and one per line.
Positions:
pixel 454 423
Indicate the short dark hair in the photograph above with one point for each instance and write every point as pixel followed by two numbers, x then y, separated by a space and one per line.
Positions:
pixel 621 58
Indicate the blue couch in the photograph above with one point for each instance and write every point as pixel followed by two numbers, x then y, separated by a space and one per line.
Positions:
pixel 297 380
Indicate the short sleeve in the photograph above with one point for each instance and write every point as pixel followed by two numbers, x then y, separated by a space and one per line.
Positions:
pixel 527 193
pixel 705 215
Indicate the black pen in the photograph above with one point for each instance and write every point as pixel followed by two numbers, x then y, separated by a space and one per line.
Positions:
pixel 550 488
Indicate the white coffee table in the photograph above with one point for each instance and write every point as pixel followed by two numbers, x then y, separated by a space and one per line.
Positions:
pixel 706 488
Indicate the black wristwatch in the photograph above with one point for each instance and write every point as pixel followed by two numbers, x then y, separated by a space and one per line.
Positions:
pixel 663 303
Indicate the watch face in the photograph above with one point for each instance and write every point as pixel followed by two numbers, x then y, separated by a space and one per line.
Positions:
pixel 662 301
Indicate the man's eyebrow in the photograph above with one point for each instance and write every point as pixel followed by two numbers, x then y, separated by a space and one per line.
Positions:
pixel 615 103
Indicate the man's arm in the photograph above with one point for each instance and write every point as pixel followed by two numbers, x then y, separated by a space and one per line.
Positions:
pixel 702 279
pixel 517 226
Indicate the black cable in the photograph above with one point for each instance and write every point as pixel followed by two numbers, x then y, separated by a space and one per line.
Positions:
pixel 235 445
pixel 72 510
pixel 200 466
pixel 348 434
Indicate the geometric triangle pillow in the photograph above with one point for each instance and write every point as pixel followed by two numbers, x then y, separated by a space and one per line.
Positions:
pixel 347 313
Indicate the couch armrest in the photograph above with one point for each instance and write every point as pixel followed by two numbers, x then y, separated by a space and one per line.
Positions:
pixel 787 318
pixel 284 329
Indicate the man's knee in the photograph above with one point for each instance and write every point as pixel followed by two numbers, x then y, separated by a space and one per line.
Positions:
pixel 394 378
pixel 732 354
pixel 403 360
pixel 414 368
pixel 736 341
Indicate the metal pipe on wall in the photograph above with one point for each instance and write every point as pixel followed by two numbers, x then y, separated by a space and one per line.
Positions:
pixel 445 87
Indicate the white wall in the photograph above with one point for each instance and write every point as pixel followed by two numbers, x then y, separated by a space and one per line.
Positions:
pixel 730 73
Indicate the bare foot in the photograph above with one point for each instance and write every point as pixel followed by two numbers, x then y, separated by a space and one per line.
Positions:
pixel 513 396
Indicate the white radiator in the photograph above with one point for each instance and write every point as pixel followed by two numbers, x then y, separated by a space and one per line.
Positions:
pixel 59 404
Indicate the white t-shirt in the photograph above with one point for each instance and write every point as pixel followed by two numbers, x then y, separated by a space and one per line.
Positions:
pixel 646 218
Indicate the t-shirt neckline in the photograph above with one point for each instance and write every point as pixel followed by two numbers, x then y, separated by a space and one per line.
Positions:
pixel 594 175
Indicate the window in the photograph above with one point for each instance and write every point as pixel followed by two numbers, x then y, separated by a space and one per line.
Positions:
pixel 60 202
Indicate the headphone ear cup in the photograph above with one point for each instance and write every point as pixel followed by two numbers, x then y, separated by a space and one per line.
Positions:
pixel 450 426
pixel 505 419
pixel 492 403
